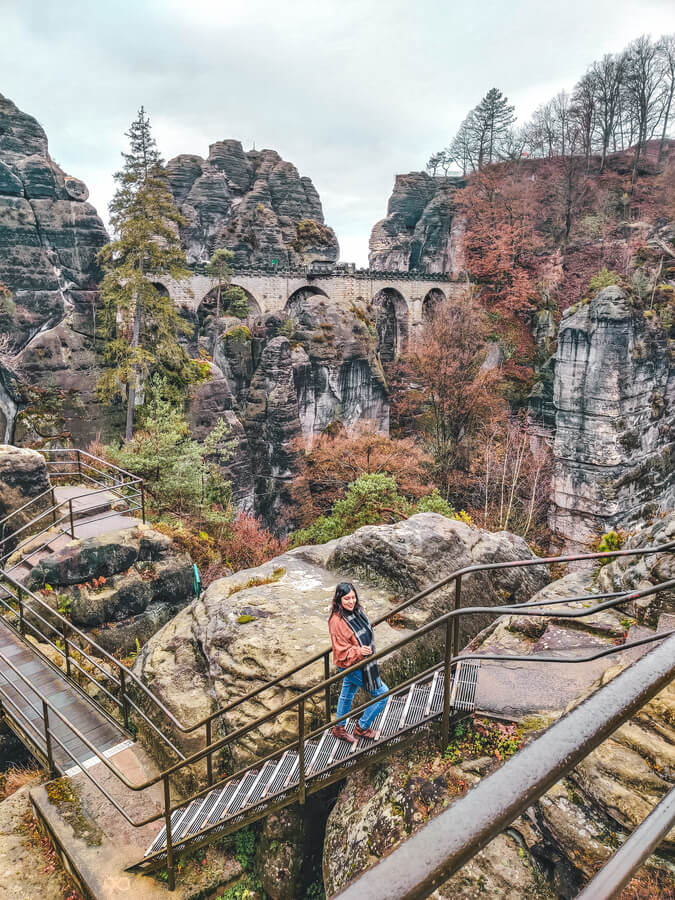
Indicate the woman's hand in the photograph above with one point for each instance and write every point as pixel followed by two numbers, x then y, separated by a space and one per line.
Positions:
pixel 366 651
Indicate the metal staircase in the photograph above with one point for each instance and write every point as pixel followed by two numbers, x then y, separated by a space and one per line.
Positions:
pixel 233 803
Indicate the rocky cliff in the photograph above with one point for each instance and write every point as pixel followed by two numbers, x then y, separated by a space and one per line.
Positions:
pixel 50 236
pixel 614 443
pixel 279 380
pixel 253 203
pixel 272 391
pixel 420 231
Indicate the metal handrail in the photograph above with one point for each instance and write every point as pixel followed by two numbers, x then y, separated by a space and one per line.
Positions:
pixel 68 629
pixel 420 595
pixel 616 873
pixel 456 577
pixel 441 847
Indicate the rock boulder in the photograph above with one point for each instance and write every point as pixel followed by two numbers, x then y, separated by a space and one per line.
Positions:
pixel 248 628
pixel 120 586
pixel 23 477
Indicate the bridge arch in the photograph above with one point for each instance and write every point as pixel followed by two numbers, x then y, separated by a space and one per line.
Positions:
pixel 297 298
pixel 432 300
pixel 207 305
pixel 391 322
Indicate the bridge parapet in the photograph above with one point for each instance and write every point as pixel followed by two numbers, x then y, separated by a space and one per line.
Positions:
pixel 339 270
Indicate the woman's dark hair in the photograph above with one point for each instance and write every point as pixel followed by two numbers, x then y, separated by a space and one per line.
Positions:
pixel 343 588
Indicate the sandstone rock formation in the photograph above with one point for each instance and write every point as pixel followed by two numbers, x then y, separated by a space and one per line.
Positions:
pixel 249 627
pixel 285 380
pixel 253 203
pixel 23 477
pixel 378 809
pixel 121 587
pixel 420 231
pixel 614 443
pixel 50 236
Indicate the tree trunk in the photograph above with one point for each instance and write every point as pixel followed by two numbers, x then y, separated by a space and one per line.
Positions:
pixel 131 399
pixel 662 145
pixel 215 327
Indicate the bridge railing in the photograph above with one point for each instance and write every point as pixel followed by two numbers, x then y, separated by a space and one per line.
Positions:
pixel 298 705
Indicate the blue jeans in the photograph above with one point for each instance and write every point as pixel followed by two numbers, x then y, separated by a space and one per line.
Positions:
pixel 350 685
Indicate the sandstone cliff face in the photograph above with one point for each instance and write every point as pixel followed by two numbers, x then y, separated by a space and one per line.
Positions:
pixel 614 419
pixel 420 231
pixel 253 203
pixel 284 380
pixel 49 236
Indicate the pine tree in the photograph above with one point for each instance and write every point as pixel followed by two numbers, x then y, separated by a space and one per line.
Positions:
pixel 141 325
pixel 493 118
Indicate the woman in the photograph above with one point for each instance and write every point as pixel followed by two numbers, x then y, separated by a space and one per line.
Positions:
pixel 352 637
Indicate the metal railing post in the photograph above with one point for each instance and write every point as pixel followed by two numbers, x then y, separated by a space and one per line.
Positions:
pixel 457 620
pixel 48 740
pixel 22 624
pixel 123 698
pixel 445 721
pixel 66 650
pixel 53 508
pixel 79 464
pixel 143 502
pixel 301 752
pixel 72 524
pixel 209 758
pixel 171 880
pixel 326 675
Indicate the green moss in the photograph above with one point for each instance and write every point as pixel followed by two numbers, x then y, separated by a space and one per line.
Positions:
pixel 259 580
pixel 63 795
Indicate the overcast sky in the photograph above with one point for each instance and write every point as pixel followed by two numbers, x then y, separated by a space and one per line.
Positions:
pixel 350 91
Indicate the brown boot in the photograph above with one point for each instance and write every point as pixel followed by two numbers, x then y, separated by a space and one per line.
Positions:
pixel 366 733
pixel 341 732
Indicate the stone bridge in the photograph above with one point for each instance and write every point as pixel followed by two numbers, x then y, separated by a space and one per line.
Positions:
pixel 402 301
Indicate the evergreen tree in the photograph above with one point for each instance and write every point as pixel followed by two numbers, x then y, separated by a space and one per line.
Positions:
pixel 493 118
pixel 141 325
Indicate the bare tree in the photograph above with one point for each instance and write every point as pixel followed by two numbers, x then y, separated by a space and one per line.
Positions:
pixel 643 88
pixel 667 52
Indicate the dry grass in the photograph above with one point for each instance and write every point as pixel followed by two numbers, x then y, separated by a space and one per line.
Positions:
pixel 649 884
pixel 16 777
